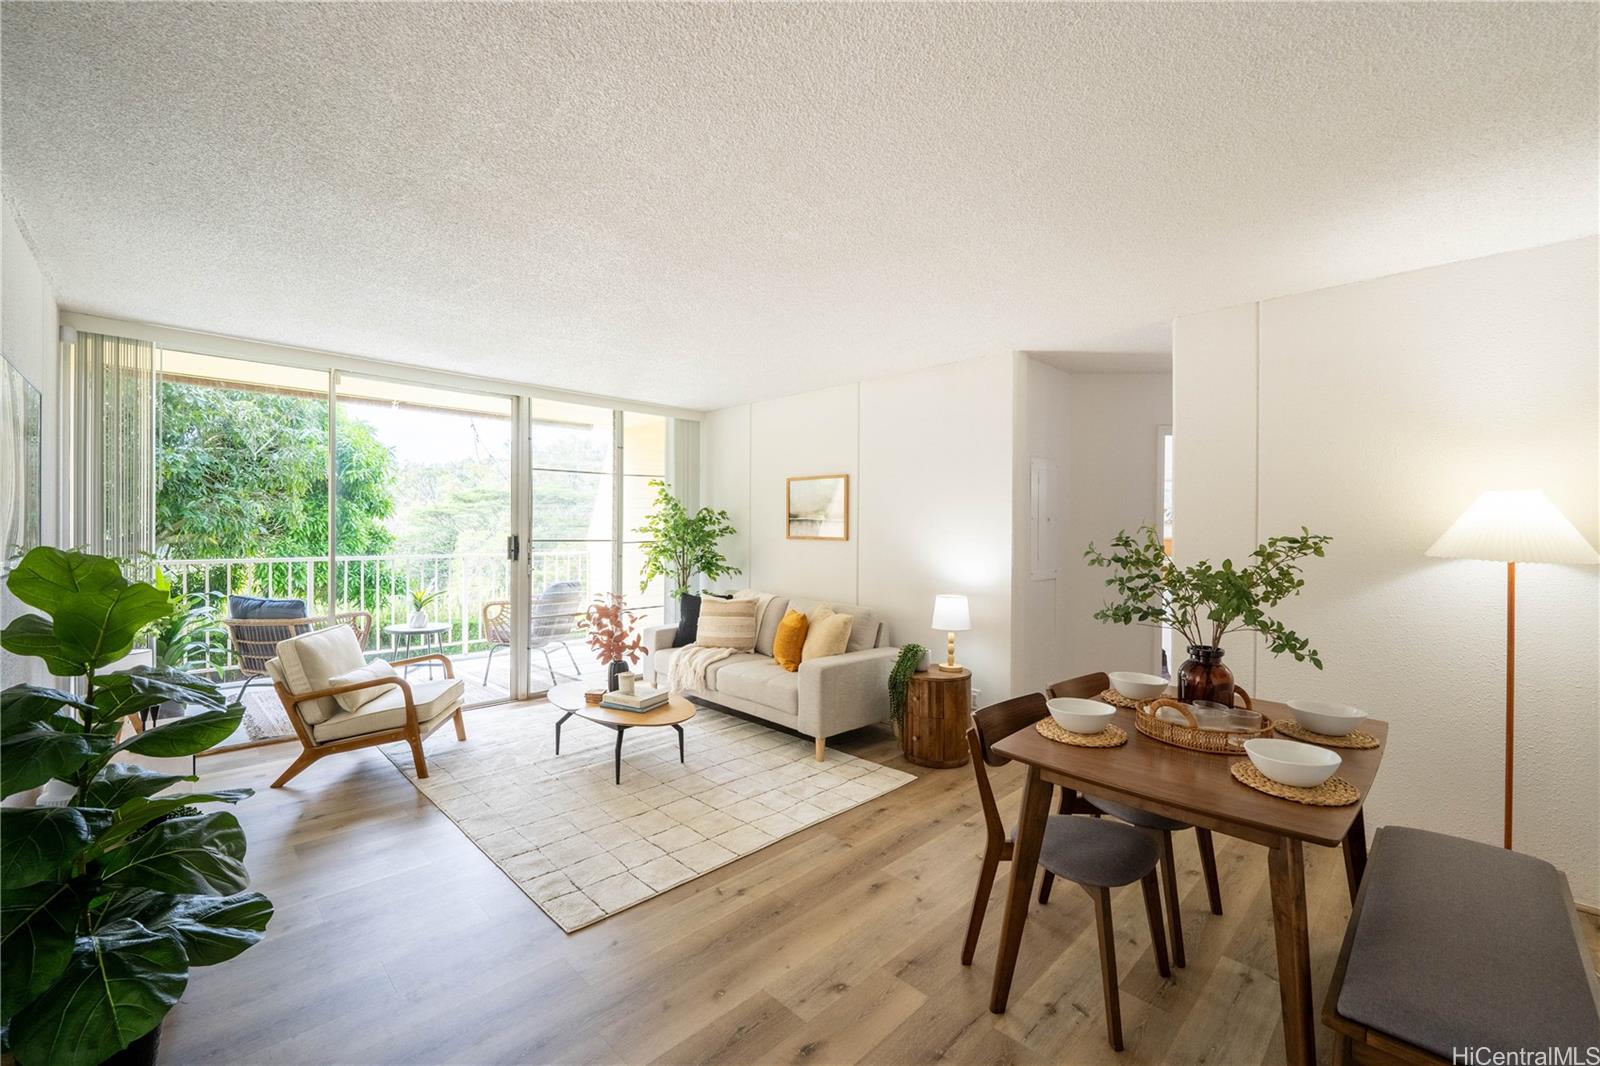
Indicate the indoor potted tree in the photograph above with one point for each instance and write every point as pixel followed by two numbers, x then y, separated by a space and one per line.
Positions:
pixel 1204 603
pixel 680 546
pixel 110 899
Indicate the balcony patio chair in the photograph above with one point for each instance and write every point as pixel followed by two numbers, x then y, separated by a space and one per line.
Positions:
pixel 552 617
pixel 339 702
pixel 255 640
pixel 1158 826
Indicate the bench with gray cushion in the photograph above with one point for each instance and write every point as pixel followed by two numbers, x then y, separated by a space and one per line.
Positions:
pixel 1454 944
pixel 825 697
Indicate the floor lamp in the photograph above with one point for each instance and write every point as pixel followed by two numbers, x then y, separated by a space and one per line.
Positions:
pixel 1512 528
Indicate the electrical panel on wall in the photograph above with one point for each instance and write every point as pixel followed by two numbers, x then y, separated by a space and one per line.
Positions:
pixel 1044 552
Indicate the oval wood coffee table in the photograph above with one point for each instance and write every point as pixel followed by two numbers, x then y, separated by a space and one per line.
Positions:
pixel 569 698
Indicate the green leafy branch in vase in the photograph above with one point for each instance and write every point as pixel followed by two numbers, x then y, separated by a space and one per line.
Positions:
pixel 106 903
pixel 1204 603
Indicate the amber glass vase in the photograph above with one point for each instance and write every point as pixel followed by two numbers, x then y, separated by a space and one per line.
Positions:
pixel 1203 677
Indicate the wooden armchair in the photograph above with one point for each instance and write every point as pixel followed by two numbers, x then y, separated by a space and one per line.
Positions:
pixel 314 669
pixel 255 640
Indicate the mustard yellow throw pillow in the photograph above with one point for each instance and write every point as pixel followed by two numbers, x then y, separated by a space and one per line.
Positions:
pixel 827 634
pixel 791 638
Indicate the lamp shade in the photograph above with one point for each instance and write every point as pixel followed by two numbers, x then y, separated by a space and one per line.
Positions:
pixel 1514 527
pixel 950 614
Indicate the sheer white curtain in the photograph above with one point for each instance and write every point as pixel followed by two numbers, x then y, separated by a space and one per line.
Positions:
pixel 117 418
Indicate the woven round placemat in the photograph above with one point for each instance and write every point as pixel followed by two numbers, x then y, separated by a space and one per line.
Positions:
pixel 1109 737
pixel 1117 699
pixel 1334 792
pixel 1288 727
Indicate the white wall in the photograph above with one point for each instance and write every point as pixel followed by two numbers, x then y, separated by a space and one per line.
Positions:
pixel 1113 483
pixel 1384 408
pixel 1100 429
pixel 28 334
pixel 929 456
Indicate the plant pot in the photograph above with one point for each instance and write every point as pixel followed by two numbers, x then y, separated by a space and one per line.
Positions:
pixel 618 667
pixel 418 619
pixel 142 1052
pixel 688 619
pixel 1203 676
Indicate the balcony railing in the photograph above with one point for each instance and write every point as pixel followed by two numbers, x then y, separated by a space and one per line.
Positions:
pixel 377 584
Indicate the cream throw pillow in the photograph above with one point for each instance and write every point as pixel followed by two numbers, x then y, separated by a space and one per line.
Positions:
pixel 354 701
pixel 727 624
pixel 827 634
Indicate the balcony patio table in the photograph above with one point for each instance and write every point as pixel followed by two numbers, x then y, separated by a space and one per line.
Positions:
pixel 432 633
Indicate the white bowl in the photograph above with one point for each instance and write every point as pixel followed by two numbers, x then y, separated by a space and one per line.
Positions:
pixel 1290 762
pixel 1329 719
pixel 1080 716
pixel 1138 686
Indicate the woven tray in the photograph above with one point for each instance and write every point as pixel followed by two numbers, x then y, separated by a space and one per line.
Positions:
pixel 1288 727
pixel 1190 735
pixel 1334 792
pixel 1117 699
pixel 1110 737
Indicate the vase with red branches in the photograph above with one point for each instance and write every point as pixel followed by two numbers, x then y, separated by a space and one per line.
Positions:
pixel 613 635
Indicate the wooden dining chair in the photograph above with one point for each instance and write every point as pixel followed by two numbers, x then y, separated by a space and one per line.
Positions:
pixel 1161 828
pixel 1096 856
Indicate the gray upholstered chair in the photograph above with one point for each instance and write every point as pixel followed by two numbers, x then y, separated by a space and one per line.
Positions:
pixel 553 615
pixel 1095 855
pixel 1159 827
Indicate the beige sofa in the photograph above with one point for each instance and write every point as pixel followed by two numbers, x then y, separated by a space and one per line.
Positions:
pixel 823 698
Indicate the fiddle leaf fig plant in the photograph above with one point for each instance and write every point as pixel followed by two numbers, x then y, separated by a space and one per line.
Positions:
pixel 681 544
pixel 1204 603
pixel 107 902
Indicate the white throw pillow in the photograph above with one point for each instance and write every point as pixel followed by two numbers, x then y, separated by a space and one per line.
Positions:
pixel 354 701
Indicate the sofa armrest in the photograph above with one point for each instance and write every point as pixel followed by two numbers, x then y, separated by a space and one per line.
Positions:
pixel 843 692
pixel 657 637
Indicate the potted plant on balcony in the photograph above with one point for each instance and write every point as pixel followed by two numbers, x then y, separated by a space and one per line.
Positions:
pixel 612 635
pixel 1204 603
pixel 419 598
pixel 681 545
pixel 111 899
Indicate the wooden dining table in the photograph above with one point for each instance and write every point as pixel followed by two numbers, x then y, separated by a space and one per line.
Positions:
pixel 1197 788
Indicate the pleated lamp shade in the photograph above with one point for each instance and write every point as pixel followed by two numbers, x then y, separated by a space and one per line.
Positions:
pixel 1514 527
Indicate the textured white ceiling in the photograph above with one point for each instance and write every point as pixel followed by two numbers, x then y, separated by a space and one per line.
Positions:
pixel 703 204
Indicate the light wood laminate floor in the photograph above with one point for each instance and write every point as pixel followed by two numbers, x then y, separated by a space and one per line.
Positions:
pixel 395 940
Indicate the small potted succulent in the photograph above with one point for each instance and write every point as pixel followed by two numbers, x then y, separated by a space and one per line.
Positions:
pixel 420 598
pixel 613 634
pixel 1203 603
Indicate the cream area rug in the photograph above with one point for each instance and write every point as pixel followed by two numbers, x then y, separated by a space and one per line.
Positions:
pixel 583 847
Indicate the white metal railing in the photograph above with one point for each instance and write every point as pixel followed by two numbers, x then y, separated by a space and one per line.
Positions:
pixel 377 584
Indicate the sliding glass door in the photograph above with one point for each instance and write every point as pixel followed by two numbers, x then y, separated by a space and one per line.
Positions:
pixel 422 513
pixel 395 506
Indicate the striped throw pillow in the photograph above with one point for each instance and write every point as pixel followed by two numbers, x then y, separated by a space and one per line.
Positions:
pixel 727 624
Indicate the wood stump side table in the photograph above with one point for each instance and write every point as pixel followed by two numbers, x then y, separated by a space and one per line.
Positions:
pixel 938 712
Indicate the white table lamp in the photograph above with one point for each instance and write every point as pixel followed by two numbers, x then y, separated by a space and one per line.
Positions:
pixel 950 614
pixel 1511 528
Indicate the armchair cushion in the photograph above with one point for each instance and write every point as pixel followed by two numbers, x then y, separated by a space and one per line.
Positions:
pixel 310 661
pixel 433 698
pixel 354 701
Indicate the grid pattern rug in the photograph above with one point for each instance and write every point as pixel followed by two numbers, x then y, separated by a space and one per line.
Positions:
pixel 583 847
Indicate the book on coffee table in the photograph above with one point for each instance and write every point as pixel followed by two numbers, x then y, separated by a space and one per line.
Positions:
pixel 644 698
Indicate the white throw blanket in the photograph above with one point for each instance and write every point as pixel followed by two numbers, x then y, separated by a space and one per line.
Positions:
pixel 688 668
